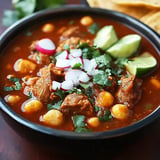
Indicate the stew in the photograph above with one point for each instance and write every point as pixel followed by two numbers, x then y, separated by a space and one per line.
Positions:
pixel 82 74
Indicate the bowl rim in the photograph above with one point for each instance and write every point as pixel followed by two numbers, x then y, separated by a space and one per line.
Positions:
pixel 146 31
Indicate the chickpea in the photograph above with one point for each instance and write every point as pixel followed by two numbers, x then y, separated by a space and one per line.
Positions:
pixel 53 117
pixel 120 111
pixel 48 28
pixel 12 99
pixel 32 105
pixel 86 20
pixel 24 66
pixel 94 121
pixel 105 99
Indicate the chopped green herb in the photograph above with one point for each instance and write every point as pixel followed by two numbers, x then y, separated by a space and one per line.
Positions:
pixel 103 61
pixel 77 66
pixel 93 28
pixel 66 47
pixel 38 58
pixel 78 91
pixel 60 93
pixel 82 129
pixel 54 106
pixel 78 121
pixel 106 117
pixel 9 88
pixel 102 80
pixel 30 95
pixel 13 79
pixel 86 85
pixel 96 108
pixel 17 86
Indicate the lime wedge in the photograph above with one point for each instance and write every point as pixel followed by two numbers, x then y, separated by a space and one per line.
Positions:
pixel 141 65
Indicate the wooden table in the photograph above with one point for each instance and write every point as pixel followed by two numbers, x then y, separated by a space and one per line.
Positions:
pixel 14 147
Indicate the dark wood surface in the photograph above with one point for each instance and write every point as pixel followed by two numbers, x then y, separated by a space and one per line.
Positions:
pixel 14 147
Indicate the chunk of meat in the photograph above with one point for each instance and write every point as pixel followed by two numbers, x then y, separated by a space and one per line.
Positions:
pixel 69 32
pixel 41 87
pixel 38 57
pixel 77 104
pixel 72 42
pixel 129 92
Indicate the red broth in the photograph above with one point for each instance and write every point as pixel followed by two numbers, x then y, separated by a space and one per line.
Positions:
pixel 19 48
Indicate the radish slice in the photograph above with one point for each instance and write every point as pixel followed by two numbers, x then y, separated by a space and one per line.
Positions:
pixel 93 64
pixel 75 53
pixel 77 63
pixel 55 85
pixel 46 46
pixel 86 64
pixel 83 78
pixel 63 55
pixel 63 63
pixel 73 75
pixel 67 85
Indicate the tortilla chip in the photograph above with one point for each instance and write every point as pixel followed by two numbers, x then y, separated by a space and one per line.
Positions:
pixel 146 3
pixel 152 20
pixel 136 12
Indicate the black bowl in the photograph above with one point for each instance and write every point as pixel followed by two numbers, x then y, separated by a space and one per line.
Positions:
pixel 26 127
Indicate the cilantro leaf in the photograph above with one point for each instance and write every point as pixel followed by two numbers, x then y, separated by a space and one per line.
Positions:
pixel 78 91
pixel 17 86
pixel 77 66
pixel 82 129
pixel 60 93
pixel 54 106
pixel 103 61
pixel 9 88
pixel 93 28
pixel 78 121
pixel 106 117
pixel 102 80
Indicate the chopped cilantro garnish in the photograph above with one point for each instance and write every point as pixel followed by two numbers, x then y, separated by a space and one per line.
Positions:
pixel 8 88
pixel 54 106
pixel 77 66
pixel 66 47
pixel 14 79
pixel 102 80
pixel 106 117
pixel 93 28
pixel 78 91
pixel 103 61
pixel 89 92
pixel 16 82
pixel 78 121
pixel 17 86
pixel 60 93
pixel 82 129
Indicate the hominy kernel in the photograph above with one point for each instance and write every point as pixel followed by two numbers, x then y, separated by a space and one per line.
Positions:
pixel 86 20
pixel 48 28
pixel 94 121
pixel 105 99
pixel 120 111
pixel 53 117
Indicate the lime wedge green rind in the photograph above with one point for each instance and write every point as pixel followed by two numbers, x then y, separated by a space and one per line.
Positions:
pixel 141 65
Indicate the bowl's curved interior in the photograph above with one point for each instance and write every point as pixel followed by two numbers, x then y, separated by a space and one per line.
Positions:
pixel 134 24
